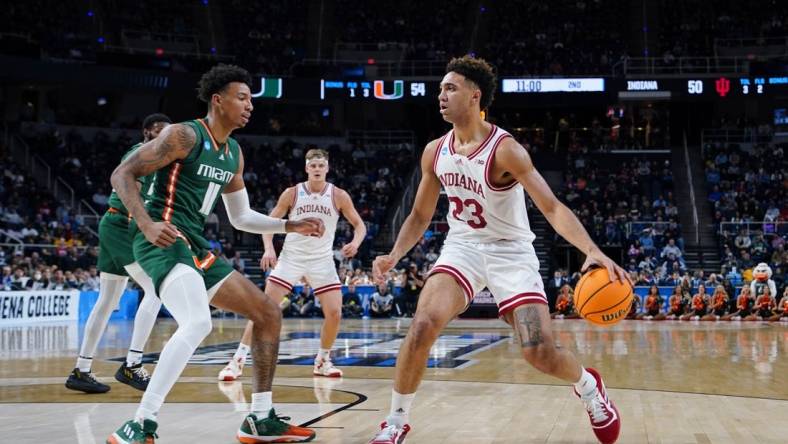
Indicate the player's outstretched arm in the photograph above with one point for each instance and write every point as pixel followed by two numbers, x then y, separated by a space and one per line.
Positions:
pixel 280 210
pixel 345 205
pixel 174 143
pixel 244 218
pixel 419 218
pixel 514 159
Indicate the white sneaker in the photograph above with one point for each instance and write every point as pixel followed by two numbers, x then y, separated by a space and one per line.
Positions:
pixel 232 370
pixel 324 367
pixel 390 434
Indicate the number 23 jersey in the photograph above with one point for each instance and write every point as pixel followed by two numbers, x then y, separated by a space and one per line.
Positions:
pixel 480 211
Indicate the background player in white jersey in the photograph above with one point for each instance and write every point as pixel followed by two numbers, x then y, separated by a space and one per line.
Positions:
pixel 308 257
pixel 485 173
pixel 116 264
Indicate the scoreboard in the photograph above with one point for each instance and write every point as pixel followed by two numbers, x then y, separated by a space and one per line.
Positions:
pixel 718 88
pixel 425 90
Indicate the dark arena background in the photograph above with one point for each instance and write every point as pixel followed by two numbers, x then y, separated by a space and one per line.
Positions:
pixel 661 124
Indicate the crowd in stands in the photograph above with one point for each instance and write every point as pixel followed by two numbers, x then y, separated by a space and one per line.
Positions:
pixel 539 38
pixel 631 206
pixel 689 29
pixel 405 26
pixel 555 38
pixel 747 188
pixel 267 37
pixel 57 253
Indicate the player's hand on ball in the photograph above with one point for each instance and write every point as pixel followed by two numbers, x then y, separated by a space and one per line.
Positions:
pixel 268 260
pixel 308 226
pixel 381 265
pixel 349 250
pixel 615 272
pixel 160 234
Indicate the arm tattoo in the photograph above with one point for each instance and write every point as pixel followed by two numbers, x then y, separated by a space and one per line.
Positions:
pixel 528 326
pixel 174 144
pixel 264 356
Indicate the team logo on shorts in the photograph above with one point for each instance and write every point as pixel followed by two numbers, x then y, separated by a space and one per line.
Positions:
pixel 354 349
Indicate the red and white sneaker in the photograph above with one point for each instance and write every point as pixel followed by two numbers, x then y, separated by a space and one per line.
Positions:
pixel 324 367
pixel 390 434
pixel 603 414
pixel 232 370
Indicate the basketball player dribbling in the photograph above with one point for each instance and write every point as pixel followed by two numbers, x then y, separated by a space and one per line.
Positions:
pixel 485 174
pixel 308 257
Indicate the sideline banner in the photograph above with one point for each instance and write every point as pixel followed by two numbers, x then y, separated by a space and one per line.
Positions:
pixel 34 306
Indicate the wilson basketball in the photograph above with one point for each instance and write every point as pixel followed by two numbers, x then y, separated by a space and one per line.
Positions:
pixel 600 301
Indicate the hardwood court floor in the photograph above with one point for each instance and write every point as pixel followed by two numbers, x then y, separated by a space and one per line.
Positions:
pixel 673 382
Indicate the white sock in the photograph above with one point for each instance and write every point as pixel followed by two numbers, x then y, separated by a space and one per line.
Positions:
pixel 324 354
pixel 261 403
pixel 83 364
pixel 111 286
pixel 240 354
pixel 133 357
pixel 400 408
pixel 586 386
pixel 183 293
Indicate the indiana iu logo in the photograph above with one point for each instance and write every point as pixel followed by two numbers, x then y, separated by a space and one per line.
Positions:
pixel 723 86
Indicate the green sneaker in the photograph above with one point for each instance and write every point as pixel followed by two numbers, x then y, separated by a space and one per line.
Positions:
pixel 135 433
pixel 272 429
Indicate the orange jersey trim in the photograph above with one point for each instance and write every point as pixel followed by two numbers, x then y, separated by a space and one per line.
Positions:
pixel 172 184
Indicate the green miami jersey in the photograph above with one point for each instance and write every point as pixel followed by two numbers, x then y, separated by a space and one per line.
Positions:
pixel 145 182
pixel 185 192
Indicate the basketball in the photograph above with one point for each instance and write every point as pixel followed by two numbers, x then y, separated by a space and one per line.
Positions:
pixel 600 301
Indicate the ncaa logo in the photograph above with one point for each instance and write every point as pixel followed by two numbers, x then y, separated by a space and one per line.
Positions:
pixel 444 150
pixel 206 145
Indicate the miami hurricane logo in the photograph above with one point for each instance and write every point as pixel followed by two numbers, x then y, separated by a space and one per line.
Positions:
pixel 269 88
pixel 399 90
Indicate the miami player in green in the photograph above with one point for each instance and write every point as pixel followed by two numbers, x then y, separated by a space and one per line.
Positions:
pixel 194 162
pixel 116 263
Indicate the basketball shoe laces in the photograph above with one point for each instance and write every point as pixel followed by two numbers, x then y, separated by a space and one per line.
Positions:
pixel 595 406
pixel 91 377
pixel 141 373
pixel 389 432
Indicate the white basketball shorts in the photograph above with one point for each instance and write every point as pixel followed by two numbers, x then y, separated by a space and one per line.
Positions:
pixel 509 269
pixel 320 274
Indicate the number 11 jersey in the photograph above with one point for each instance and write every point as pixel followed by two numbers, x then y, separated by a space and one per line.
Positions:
pixel 480 211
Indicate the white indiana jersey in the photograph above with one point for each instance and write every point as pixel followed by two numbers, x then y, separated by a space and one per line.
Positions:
pixel 478 210
pixel 310 204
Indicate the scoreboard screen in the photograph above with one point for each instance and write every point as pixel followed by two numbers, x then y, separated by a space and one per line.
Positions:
pixel 378 89
pixel 425 90
pixel 702 88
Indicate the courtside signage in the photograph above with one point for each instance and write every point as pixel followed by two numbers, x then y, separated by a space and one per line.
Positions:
pixel 21 307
